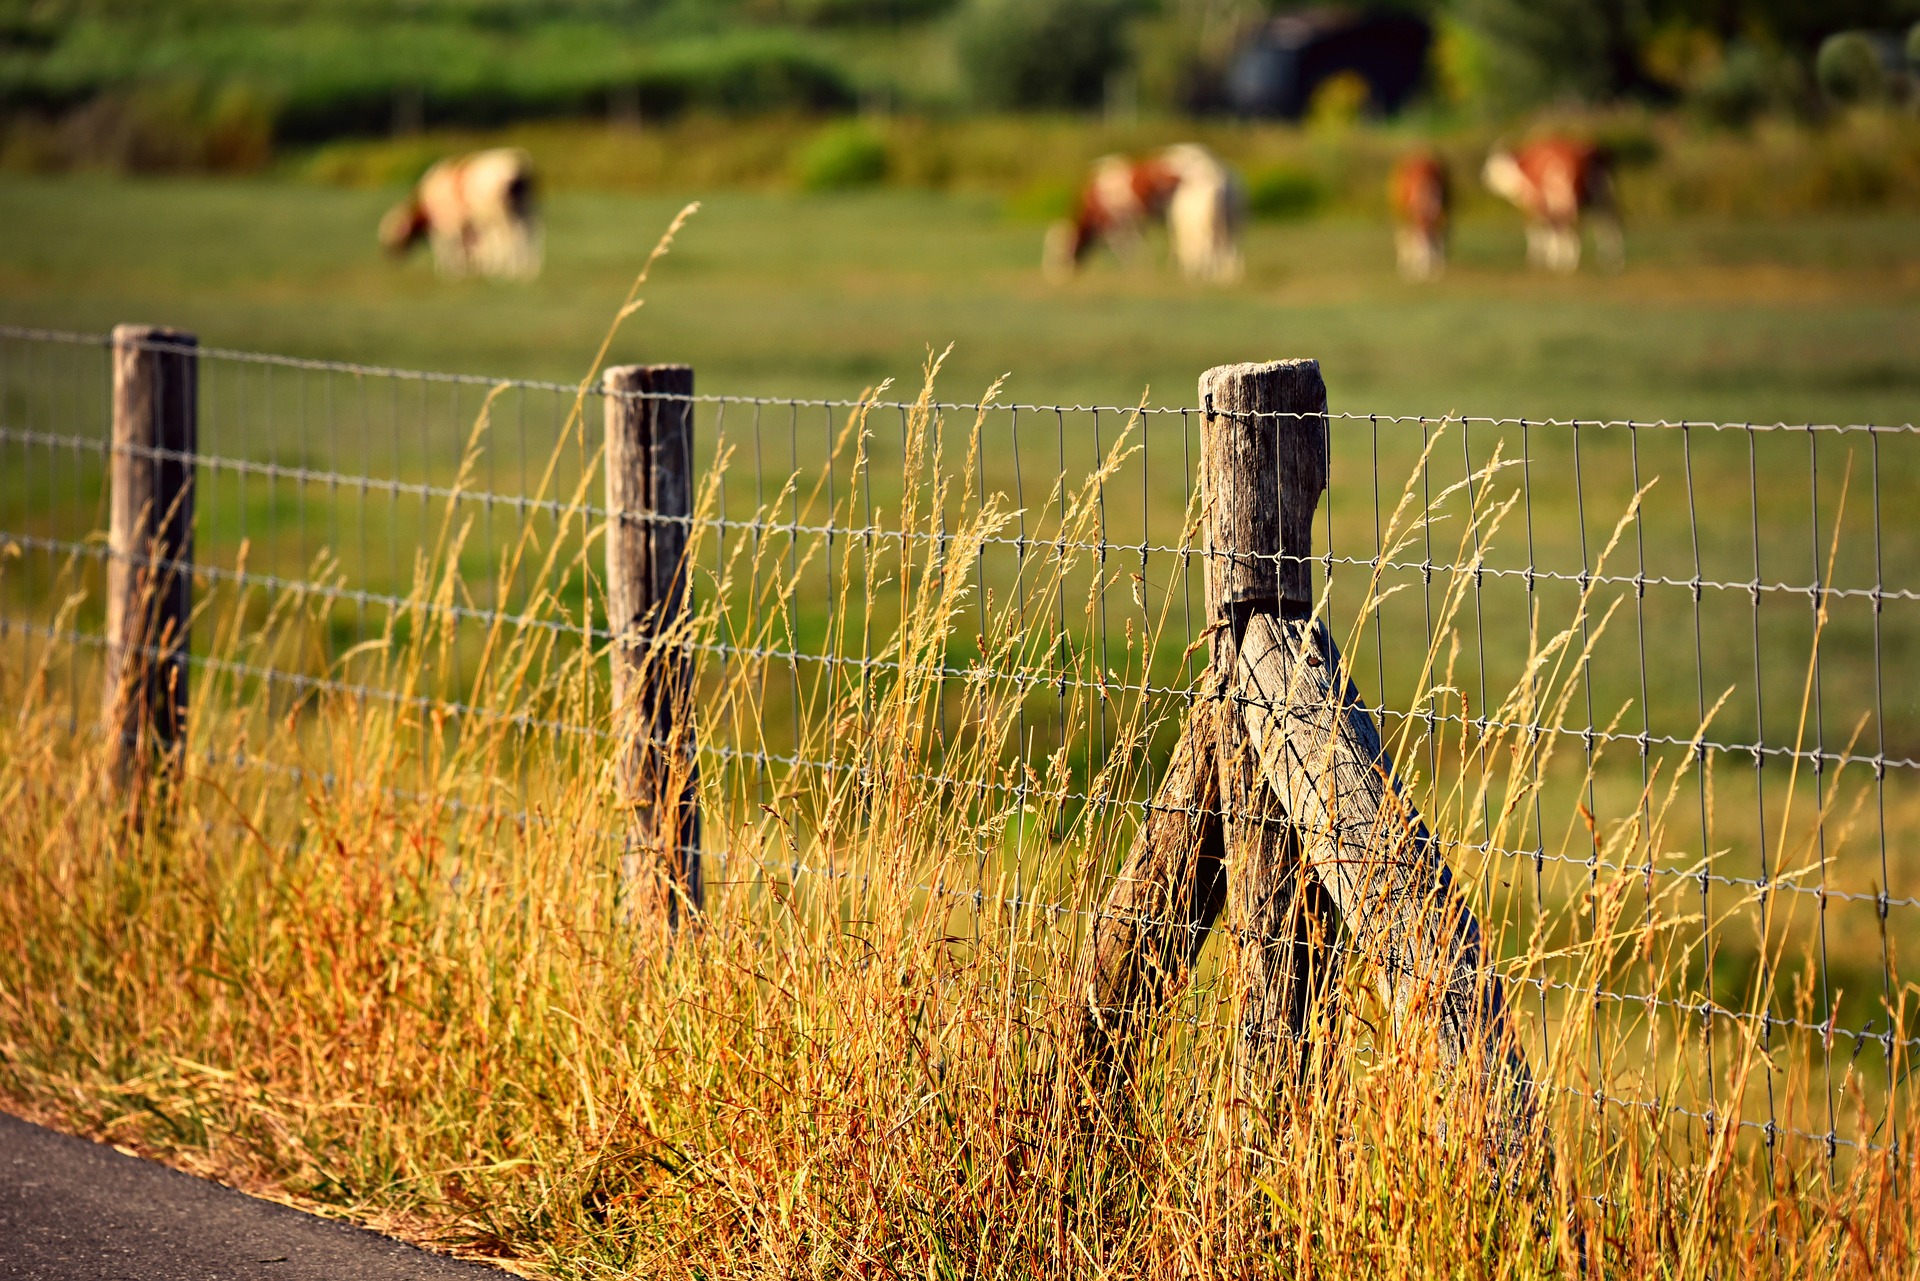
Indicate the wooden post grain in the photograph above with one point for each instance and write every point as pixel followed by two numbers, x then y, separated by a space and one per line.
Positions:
pixel 1185 863
pixel 1323 797
pixel 649 466
pixel 1264 466
pixel 1364 842
pixel 1144 941
pixel 1281 801
pixel 150 546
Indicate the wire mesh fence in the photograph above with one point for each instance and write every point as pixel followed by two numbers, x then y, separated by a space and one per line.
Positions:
pixel 1649 681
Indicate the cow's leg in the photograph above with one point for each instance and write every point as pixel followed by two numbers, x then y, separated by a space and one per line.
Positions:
pixel 1567 248
pixel 1057 263
pixel 1227 263
pixel 1421 253
pixel 1411 247
pixel 1609 242
pixel 1539 245
pixel 449 254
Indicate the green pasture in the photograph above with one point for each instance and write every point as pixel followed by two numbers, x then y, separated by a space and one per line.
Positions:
pixel 789 295
pixel 1812 320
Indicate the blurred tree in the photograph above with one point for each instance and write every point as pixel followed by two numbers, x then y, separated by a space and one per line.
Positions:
pixel 1798 25
pixel 1535 51
pixel 1181 50
pixel 828 13
pixel 1749 79
pixel 1532 51
pixel 1849 71
pixel 1043 53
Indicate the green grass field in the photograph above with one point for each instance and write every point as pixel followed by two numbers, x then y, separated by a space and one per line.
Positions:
pixel 788 295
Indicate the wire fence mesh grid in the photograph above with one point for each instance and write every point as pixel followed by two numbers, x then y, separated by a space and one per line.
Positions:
pixel 1659 661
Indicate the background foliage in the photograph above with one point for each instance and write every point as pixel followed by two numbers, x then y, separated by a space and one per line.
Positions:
pixel 219 84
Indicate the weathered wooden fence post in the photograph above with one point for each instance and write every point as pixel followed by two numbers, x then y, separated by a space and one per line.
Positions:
pixel 150 546
pixel 1366 853
pixel 1143 943
pixel 649 467
pixel 1280 802
pixel 1186 863
pixel 1263 461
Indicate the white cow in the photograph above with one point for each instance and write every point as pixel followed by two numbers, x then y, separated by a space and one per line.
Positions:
pixel 1204 216
pixel 477 213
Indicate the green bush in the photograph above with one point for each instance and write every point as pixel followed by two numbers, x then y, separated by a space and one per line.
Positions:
pixel 827 13
pixel 745 72
pixel 335 78
pixel 1534 51
pixel 1848 69
pixel 1283 192
pixel 172 127
pixel 1751 80
pixel 841 157
pixel 1042 53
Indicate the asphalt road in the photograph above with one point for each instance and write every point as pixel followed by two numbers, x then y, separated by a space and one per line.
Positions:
pixel 71 1210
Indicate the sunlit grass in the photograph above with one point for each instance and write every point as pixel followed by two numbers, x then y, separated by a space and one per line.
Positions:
pixel 375 951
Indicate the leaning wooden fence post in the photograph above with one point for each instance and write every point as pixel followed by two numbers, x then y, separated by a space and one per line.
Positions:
pixel 150 547
pixel 1143 943
pixel 1263 460
pixel 1362 842
pixel 1213 835
pixel 649 466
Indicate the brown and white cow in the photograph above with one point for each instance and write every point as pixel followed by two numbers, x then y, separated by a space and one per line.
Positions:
pixel 1421 194
pixel 1559 184
pixel 1185 187
pixel 477 213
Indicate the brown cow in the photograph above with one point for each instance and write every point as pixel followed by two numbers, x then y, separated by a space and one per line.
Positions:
pixel 1422 195
pixel 1184 186
pixel 476 212
pixel 1559 183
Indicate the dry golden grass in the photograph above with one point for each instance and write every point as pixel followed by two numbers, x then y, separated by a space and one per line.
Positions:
pixel 377 956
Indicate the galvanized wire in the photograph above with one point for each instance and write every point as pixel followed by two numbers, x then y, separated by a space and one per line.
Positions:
pixel 1738 580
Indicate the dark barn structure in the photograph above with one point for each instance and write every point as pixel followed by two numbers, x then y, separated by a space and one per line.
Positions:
pixel 1275 72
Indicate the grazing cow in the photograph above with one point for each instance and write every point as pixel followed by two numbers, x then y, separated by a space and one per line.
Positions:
pixel 1559 183
pixel 1185 186
pixel 1421 194
pixel 476 212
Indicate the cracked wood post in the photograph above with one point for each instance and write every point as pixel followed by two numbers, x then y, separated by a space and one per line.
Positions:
pixel 649 467
pixel 1361 838
pixel 1185 864
pixel 1264 464
pixel 150 548
pixel 1148 934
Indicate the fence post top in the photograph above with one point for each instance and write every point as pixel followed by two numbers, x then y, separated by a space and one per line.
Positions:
pixel 1292 388
pixel 1255 368
pixel 134 335
pixel 636 377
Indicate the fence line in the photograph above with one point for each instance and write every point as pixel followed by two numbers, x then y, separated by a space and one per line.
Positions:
pixel 597 634
pixel 524 818
pixel 309 364
pixel 1684 624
